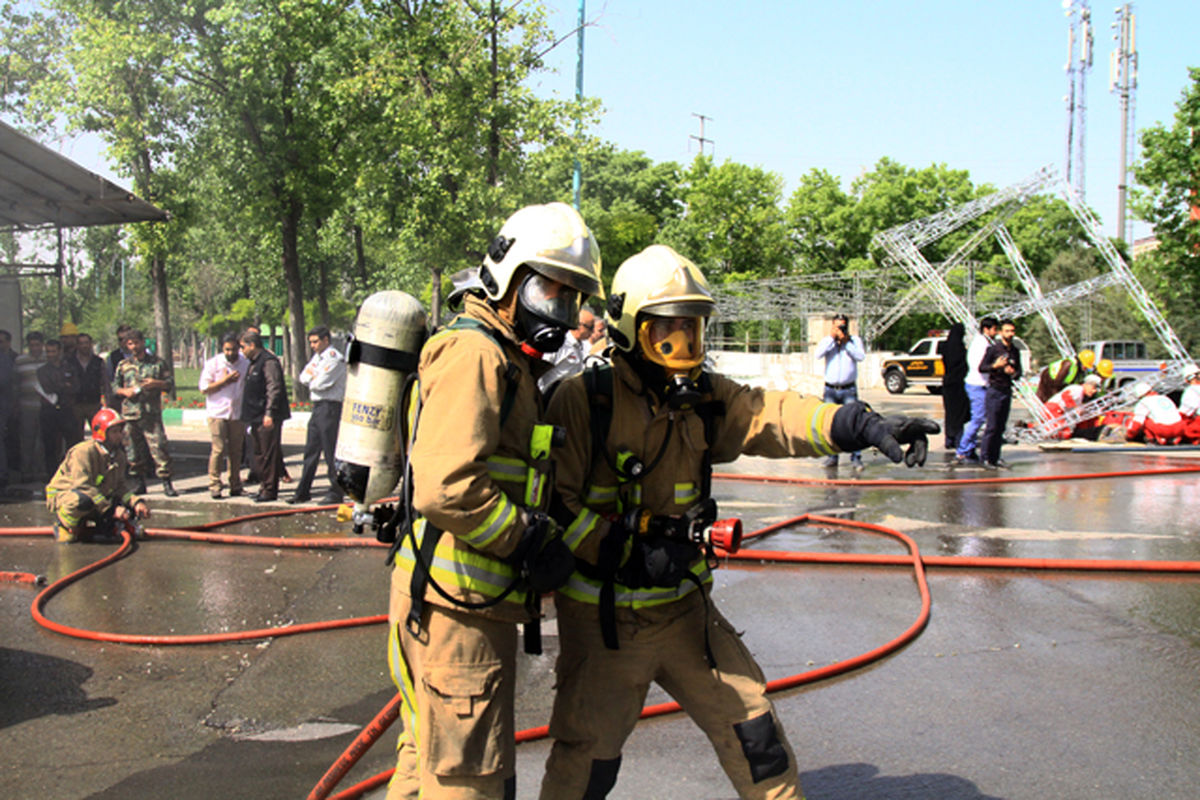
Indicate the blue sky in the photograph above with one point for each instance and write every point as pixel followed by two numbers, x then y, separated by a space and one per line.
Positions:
pixel 792 86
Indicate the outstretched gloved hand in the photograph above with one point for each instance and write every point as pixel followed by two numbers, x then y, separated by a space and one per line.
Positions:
pixel 856 426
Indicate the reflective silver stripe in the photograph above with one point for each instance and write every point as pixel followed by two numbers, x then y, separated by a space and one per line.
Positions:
pixel 586 590
pixel 599 495
pixel 475 572
pixel 502 516
pixel 506 469
pixel 581 526
pixel 686 493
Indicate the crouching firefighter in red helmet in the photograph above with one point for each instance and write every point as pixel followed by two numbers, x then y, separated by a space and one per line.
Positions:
pixel 643 435
pixel 480 549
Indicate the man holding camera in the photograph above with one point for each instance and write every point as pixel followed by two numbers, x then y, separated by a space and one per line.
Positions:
pixel 841 352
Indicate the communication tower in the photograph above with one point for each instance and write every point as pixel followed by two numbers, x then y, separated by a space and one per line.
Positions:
pixel 1079 61
pixel 1122 79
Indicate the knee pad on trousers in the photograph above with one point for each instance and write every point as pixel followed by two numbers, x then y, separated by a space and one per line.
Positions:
pixel 764 752
pixel 84 503
pixel 602 778
pixel 510 788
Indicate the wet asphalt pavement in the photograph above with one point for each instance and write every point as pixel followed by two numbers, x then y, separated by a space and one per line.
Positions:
pixel 1023 685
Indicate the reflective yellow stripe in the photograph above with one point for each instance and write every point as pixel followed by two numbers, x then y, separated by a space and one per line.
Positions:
pixel 465 569
pixel 686 493
pixel 599 495
pixel 541 440
pixel 816 427
pixel 99 479
pixel 586 590
pixel 581 526
pixel 635 496
pixel 403 680
pixel 502 516
pixel 502 468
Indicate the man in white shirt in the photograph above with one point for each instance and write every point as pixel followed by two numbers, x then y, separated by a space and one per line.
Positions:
pixel 325 377
pixel 576 343
pixel 842 353
pixel 221 382
pixel 976 386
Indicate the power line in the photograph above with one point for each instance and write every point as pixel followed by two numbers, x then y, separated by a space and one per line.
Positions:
pixel 701 139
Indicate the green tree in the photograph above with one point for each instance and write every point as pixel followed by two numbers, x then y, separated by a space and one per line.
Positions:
pixel 823 225
pixel 1169 175
pixel 732 225
pixel 626 197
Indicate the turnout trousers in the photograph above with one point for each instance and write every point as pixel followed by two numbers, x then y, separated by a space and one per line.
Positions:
pixel 600 693
pixel 457 681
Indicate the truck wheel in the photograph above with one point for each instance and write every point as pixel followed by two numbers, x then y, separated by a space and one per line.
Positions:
pixel 895 381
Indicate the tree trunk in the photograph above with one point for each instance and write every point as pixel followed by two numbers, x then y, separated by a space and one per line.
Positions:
pixel 292 210
pixel 360 257
pixel 322 292
pixel 162 311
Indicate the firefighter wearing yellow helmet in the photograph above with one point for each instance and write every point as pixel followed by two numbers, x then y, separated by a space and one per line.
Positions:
pixel 1064 372
pixel 633 485
pixel 481 549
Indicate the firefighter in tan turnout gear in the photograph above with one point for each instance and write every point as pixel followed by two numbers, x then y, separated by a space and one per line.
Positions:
pixel 89 486
pixel 632 478
pixel 481 481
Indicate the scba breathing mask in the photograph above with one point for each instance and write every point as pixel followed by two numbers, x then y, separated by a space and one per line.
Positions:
pixel 546 310
pixel 674 343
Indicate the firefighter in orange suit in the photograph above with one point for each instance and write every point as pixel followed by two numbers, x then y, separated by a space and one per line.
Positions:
pixel 89 485
pixel 482 549
pixel 636 610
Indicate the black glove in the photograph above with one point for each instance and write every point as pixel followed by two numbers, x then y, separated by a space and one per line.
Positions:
pixel 657 561
pixel 541 557
pixel 551 567
pixel 856 426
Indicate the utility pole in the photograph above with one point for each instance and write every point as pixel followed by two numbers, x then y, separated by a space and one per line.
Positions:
pixel 1079 30
pixel 577 178
pixel 1122 79
pixel 703 141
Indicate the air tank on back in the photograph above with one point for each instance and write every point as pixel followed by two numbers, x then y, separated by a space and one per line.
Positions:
pixel 388 334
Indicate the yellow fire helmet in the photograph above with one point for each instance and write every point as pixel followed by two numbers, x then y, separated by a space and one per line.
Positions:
pixel 659 301
pixel 1104 369
pixel 1087 358
pixel 550 239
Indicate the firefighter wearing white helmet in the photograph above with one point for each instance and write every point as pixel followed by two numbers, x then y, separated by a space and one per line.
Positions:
pixel 1155 419
pixel 482 550
pixel 633 486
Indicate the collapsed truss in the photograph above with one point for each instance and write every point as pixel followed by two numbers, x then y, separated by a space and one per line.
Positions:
pixel 903 245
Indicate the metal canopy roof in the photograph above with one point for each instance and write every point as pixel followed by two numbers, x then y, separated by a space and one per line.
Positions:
pixel 41 189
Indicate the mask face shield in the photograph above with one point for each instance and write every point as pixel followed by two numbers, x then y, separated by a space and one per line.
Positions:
pixel 546 310
pixel 676 343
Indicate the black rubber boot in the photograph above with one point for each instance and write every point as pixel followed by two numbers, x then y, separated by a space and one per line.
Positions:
pixel 168 489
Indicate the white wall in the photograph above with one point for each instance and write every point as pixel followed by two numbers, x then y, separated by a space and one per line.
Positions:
pixel 800 372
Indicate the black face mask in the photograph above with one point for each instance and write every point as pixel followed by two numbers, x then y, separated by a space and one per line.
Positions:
pixel 538 332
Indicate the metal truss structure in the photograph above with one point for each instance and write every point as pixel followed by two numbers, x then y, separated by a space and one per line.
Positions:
pixel 903 245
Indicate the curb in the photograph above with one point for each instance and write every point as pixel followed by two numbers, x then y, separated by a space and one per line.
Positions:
pixel 198 418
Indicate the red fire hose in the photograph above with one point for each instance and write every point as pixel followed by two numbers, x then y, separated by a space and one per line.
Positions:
pixel 914 560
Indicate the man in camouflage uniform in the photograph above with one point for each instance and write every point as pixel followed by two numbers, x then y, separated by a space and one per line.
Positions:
pixel 140 381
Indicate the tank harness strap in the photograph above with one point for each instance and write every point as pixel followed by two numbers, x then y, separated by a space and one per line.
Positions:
pixel 425 550
pixel 598 381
